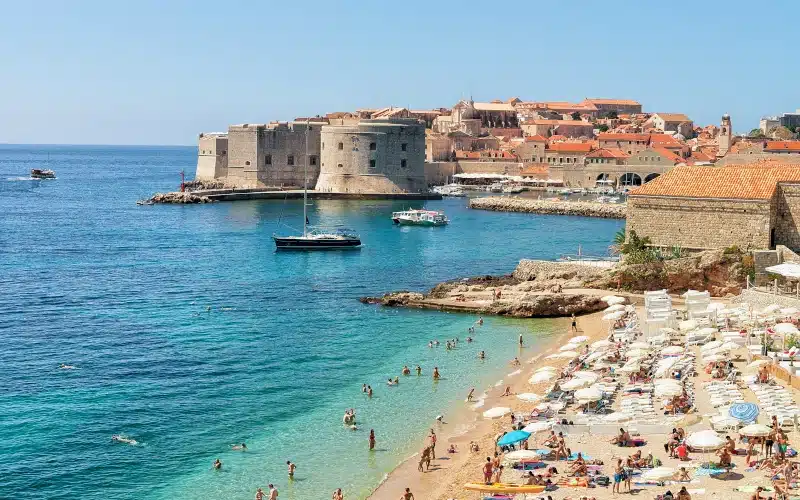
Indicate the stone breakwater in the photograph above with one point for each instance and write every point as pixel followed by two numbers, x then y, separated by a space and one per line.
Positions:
pixel 176 198
pixel 549 207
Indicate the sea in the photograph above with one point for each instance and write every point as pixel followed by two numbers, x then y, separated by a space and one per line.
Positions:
pixel 189 333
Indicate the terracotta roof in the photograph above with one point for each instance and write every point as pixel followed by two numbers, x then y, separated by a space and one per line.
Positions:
pixel 624 102
pixel 570 147
pixel 666 153
pixel 782 146
pixel 557 138
pixel 755 181
pixel 536 170
pixel 608 153
pixel 701 156
pixel 623 137
pixel 493 106
pixel 664 140
pixel 558 122
pixel 535 138
pixel 673 117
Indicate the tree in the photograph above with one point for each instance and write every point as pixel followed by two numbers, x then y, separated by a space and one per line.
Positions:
pixel 575 115
pixel 611 114
pixel 756 133
pixel 602 127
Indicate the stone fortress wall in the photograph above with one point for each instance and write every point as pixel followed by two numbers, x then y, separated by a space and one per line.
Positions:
pixel 373 156
pixel 212 156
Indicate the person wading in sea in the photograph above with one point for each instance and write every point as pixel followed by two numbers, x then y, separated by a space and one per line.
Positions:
pixel 371 439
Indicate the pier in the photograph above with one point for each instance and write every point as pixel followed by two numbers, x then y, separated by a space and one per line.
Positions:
pixel 259 194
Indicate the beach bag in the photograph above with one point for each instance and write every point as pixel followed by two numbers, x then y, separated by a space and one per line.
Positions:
pixel 602 480
pixel 656 462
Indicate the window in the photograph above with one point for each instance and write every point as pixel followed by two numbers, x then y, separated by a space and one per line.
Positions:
pixel 372 164
pixel 341 146
pixel 403 146
pixel 268 160
pixel 247 163
pixel 402 164
pixel 224 151
pixel 339 165
pixel 372 146
pixel 290 160
pixel 312 160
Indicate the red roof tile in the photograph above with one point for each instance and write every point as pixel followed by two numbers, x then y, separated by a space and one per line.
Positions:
pixel 608 153
pixel 666 153
pixel 535 138
pixel 755 181
pixel 571 147
pixel 782 146
pixel 622 137
pixel 664 140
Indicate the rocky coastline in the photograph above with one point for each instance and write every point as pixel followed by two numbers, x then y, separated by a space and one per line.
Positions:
pixel 176 198
pixel 549 207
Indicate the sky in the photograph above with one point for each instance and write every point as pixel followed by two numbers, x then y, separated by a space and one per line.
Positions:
pixel 160 72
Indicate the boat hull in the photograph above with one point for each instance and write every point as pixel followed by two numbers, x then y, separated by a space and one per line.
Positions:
pixel 404 222
pixel 298 243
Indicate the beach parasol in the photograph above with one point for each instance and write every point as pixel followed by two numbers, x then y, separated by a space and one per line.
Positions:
pixel 658 474
pixel 613 299
pixel 687 325
pixel 575 383
pixel 667 331
pixel 672 350
pixel 636 353
pixel 614 308
pixel 640 345
pixel 579 339
pixel 713 358
pixel 668 390
pixel 520 455
pixel 727 347
pixel 567 354
pixel 711 345
pixel 529 397
pixel 555 406
pixel 613 316
pixel 757 364
pixel 588 394
pixel 546 369
pixel 542 377
pixel 602 343
pixel 585 374
pixel 724 421
pixel 785 329
pixel 745 412
pixel 771 309
pixel 707 331
pixel 755 430
pixel 513 437
pixel 535 427
pixel 568 347
pixel 789 311
pixel 706 440
pixel 497 412
pixel 616 417
pixel 630 368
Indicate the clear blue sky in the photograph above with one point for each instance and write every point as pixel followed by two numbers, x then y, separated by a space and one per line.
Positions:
pixel 159 72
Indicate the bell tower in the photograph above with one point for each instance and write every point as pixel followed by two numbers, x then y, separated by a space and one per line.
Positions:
pixel 725 138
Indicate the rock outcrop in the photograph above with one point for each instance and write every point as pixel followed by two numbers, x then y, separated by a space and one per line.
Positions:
pixel 176 198
pixel 202 184
pixel 549 207
pixel 721 272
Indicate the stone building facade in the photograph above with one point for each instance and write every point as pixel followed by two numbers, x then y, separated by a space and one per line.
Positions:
pixel 374 156
pixel 212 156
pixel 754 206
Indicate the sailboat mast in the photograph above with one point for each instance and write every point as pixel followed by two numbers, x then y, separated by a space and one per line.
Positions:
pixel 305 184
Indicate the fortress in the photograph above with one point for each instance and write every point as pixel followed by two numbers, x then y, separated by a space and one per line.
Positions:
pixel 372 156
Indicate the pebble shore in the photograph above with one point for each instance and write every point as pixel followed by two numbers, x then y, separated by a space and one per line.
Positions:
pixel 581 208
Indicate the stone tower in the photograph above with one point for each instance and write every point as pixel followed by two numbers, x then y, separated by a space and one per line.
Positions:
pixel 725 138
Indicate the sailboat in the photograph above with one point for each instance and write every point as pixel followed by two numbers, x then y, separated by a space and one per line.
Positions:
pixel 314 238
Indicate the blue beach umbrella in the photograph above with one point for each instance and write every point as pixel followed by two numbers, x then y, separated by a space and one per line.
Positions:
pixel 513 437
pixel 745 412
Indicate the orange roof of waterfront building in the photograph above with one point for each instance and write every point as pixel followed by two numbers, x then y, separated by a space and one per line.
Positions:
pixel 782 146
pixel 754 181
pixel 673 117
pixel 622 137
pixel 666 153
pixel 664 140
pixel 576 147
pixel 608 153
pixel 535 138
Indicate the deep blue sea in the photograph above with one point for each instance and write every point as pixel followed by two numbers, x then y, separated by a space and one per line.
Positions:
pixel 189 332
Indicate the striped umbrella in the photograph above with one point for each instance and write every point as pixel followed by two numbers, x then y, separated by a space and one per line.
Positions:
pixel 745 412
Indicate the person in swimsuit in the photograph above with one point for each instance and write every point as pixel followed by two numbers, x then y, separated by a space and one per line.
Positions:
pixel 369 390
pixel 520 340
pixel 488 467
pixel 406 371
pixel 273 492
pixel 432 438
pixel 371 439
pixel 471 392
pixel 291 468
pixel 259 494
pixel 390 382
pixel 407 495
pixel 239 447
pixel 480 320
pixel 436 375
pixel 337 495
pixel 619 476
pixel 684 494
pixel 482 355
pixel 419 370
pixel 574 323
pixel 217 464
pixel 364 388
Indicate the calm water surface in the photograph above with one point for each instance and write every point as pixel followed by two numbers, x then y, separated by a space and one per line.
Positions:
pixel 190 333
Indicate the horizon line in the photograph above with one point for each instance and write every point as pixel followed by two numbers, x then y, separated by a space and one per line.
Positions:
pixel 96 144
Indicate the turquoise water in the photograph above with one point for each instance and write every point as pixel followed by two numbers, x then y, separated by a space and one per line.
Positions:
pixel 120 291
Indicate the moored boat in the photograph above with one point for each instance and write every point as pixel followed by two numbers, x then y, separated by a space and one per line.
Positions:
pixel 317 239
pixel 38 173
pixel 420 218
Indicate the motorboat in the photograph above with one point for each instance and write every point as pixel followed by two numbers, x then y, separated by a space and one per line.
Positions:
pixel 37 173
pixel 449 190
pixel 420 218
pixel 512 189
pixel 495 188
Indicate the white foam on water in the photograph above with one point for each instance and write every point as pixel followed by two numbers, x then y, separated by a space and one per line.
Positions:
pixel 516 372
pixel 498 383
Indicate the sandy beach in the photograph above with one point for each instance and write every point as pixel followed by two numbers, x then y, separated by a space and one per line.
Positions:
pixel 449 472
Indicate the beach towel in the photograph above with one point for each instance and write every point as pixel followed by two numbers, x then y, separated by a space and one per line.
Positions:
pixel 574 456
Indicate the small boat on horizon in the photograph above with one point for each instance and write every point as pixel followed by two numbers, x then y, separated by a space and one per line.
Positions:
pixel 38 173
pixel 420 218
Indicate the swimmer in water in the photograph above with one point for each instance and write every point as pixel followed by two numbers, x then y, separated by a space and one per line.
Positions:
pixel 406 371
pixel 435 342
pixel 66 367
pixel 217 464
pixel 369 390
pixel 122 439
pixel 480 320
pixel 239 447
pixel 520 340
pixel 419 370
pixel 436 375
pixel 469 339
pixel 448 345
pixel 291 467
pixel 515 362
pixel 482 355
pixel 430 344
pixel 397 381
pixel 364 388
pixel 208 308
pixel 390 382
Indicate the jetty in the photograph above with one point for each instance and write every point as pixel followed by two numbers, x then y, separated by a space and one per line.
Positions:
pixel 549 207
pixel 232 194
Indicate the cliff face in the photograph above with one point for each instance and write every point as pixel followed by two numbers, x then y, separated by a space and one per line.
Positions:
pixel 718 272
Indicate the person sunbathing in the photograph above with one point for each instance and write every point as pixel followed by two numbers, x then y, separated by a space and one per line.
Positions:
pixel 724 458
pixel 551 441
pixel 730 444
pixel 578 467
pixel 682 475
pixel 622 439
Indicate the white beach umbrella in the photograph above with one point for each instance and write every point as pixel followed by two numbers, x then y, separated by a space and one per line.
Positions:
pixel 789 311
pixel 727 347
pixel 596 355
pixel 529 397
pixel 613 316
pixel 667 331
pixel 616 417
pixel 785 329
pixel 755 430
pixel 771 309
pixel 687 325
pixel 667 390
pixel 707 331
pixel 588 394
pixel 613 299
pixel 497 412
pixel 520 455
pixel 664 365
pixel 658 474
pixel 535 427
pixel 640 345
pixel 713 358
pixel 706 440
pixel 546 369
pixel 756 365
pixel 711 345
pixel 551 356
pixel 630 368
pixel 567 354
pixel 636 353
pixel 555 406
pixel 672 350
pixel 585 374
pixel 602 344
pixel 614 308
pixel 568 347
pixel 575 383
pixel 715 306
pixel 540 377
pixel 724 421
pixel 579 339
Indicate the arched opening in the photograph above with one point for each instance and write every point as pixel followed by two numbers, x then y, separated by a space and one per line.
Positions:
pixel 603 180
pixel 630 179
pixel 650 177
